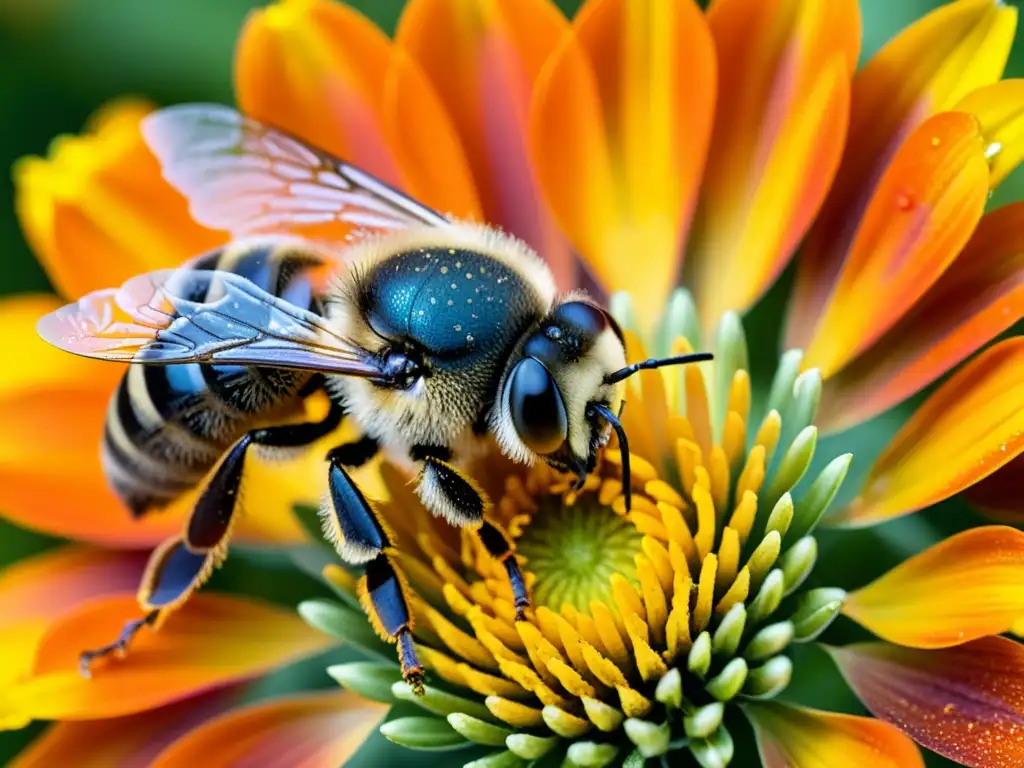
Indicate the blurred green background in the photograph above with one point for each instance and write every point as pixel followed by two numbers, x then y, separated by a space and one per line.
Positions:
pixel 64 58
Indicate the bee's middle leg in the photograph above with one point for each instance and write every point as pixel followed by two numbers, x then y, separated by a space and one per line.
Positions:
pixel 359 534
pixel 449 492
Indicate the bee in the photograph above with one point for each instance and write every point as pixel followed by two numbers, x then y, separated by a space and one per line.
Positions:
pixel 435 336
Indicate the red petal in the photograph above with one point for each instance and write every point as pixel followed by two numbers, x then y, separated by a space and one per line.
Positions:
pixel 1001 494
pixel 966 702
pixel 312 731
pixel 133 741
pixel 57 581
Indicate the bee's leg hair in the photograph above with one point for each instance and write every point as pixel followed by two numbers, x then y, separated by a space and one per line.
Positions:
pixel 179 566
pixel 498 544
pixel 450 493
pixel 359 534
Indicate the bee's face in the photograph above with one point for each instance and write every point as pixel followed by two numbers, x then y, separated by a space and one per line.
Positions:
pixel 549 391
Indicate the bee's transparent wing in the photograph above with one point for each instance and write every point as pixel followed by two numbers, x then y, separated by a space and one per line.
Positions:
pixel 244 177
pixel 194 316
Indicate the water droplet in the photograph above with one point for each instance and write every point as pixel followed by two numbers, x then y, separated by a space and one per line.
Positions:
pixel 904 201
pixel 469 338
pixel 992 150
pixel 444 270
pixel 936 141
pixel 458 327
pixel 454 286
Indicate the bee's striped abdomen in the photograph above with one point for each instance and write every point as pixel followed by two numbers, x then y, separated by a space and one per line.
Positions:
pixel 168 425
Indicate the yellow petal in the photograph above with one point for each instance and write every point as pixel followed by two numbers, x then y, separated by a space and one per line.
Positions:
pixel 96 210
pixel 211 641
pixel 924 70
pixel 1000 110
pixel 484 76
pixel 978 297
pixel 619 143
pixel 317 69
pixel 783 104
pixel 972 425
pixel 921 215
pixel 794 737
pixel 963 588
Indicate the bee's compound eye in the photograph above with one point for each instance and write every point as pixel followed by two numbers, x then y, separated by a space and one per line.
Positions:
pixel 538 413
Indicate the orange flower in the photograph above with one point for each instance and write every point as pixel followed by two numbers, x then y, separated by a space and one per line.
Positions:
pixel 639 146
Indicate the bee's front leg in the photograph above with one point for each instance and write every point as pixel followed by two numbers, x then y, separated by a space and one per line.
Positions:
pixel 448 492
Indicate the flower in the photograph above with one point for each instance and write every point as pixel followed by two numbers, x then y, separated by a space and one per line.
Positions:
pixel 660 145
pixel 648 625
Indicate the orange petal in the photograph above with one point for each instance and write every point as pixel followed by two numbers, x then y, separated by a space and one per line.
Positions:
pixel 123 742
pixel 619 143
pixel 426 142
pixel 484 74
pixel 978 297
pixel 966 587
pixel 97 211
pixel 1001 494
pixel 312 731
pixel 795 737
pixel 966 702
pixel 783 104
pixel 211 641
pixel 972 425
pixel 926 69
pixel 58 487
pixel 317 69
pixel 1000 110
pixel 50 584
pixel 921 215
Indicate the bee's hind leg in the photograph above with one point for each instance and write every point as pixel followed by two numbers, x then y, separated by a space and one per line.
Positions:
pixel 179 566
pixel 447 491
pixel 354 526
pixel 119 647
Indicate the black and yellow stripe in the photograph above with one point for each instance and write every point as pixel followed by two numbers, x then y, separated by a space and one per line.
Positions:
pixel 167 425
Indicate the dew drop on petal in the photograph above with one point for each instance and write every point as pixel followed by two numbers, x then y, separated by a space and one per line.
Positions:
pixel 936 141
pixel 992 150
pixel 904 201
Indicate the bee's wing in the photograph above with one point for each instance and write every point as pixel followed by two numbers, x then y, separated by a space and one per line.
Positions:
pixel 196 316
pixel 244 177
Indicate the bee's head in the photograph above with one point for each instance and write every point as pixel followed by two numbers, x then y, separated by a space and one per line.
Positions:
pixel 563 393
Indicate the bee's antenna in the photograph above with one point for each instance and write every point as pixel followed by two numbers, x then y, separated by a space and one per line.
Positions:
pixel 655 362
pixel 612 419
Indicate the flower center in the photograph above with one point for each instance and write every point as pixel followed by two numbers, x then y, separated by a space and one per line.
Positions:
pixel 573 551
pixel 645 623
